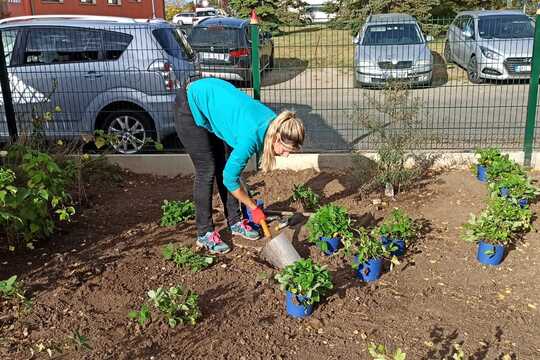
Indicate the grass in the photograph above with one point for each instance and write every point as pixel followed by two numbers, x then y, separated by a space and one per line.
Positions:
pixel 321 47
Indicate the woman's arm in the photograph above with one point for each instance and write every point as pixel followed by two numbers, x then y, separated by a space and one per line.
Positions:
pixel 244 198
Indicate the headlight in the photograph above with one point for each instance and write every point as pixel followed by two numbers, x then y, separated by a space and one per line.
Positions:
pixel 490 54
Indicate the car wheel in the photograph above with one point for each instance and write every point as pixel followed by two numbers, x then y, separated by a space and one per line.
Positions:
pixel 448 53
pixel 472 71
pixel 130 130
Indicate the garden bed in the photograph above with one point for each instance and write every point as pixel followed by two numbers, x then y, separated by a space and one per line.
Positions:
pixel 99 267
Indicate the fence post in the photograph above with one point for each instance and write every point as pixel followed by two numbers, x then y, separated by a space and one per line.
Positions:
pixel 528 143
pixel 6 94
pixel 255 65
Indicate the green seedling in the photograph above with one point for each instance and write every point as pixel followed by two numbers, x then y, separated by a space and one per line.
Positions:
pixel 179 306
pixel 397 225
pixel 379 352
pixel 176 212
pixel 306 279
pixel 80 341
pixel 366 247
pixel 13 289
pixel 186 258
pixel 142 316
pixel 329 221
pixel 306 196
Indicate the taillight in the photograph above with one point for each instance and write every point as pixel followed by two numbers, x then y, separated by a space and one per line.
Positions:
pixel 166 71
pixel 239 53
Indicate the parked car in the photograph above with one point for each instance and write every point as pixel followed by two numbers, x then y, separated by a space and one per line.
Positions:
pixel 491 44
pixel 392 46
pixel 224 48
pixel 114 74
pixel 314 13
pixel 185 18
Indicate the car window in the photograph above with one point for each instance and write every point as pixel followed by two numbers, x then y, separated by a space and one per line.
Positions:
pixel 218 36
pixel 505 27
pixel 459 22
pixel 173 43
pixel 114 44
pixel 392 34
pixel 8 38
pixel 206 13
pixel 468 24
pixel 57 45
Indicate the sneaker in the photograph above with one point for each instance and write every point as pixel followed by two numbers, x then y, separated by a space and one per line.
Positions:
pixel 213 243
pixel 243 229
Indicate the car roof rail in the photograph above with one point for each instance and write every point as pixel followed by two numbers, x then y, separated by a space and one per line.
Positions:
pixel 66 17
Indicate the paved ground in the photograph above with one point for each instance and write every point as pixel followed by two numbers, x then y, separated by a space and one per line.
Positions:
pixel 461 114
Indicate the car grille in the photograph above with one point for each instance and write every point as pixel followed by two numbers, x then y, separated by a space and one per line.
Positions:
pixel 388 65
pixel 511 63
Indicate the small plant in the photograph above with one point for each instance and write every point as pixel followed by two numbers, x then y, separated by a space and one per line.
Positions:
pixel 518 186
pixel 12 289
pixel 185 257
pixel 307 279
pixel 367 248
pixel 80 341
pixel 306 196
pixel 179 306
pixel 141 316
pixel 397 225
pixel 175 212
pixel 503 166
pixel 487 156
pixel 329 221
pixel 498 224
pixel 379 352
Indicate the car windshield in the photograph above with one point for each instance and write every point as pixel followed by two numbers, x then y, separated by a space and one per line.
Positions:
pixel 392 34
pixel 505 27
pixel 218 36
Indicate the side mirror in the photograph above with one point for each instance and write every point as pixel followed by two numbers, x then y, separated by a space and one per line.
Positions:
pixel 468 33
pixel 429 38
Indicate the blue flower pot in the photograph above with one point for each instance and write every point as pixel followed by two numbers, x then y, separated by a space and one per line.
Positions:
pixel 490 254
pixel 504 192
pixel 523 203
pixel 370 270
pixel 294 306
pixel 333 244
pixel 247 214
pixel 400 244
pixel 481 173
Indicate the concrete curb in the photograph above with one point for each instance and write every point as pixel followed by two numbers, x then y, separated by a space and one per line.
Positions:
pixel 180 164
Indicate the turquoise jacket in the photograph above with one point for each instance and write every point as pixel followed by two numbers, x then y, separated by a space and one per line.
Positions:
pixel 232 116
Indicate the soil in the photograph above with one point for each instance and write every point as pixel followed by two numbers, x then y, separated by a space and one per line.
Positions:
pixel 98 268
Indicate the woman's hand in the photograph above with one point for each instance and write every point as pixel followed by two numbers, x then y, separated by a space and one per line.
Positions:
pixel 258 215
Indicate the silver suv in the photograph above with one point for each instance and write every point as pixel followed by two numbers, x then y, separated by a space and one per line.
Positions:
pixel 491 44
pixel 392 46
pixel 115 74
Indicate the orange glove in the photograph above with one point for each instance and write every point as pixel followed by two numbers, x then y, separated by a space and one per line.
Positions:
pixel 257 215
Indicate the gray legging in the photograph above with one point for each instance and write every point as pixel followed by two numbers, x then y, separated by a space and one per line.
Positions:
pixel 209 155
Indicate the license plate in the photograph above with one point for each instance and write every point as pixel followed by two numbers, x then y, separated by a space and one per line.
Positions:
pixel 214 56
pixel 523 68
pixel 396 74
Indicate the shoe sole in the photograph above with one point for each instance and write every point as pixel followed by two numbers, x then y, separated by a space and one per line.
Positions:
pixel 199 245
pixel 245 237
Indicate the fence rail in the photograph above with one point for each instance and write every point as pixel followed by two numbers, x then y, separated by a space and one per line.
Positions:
pixel 119 77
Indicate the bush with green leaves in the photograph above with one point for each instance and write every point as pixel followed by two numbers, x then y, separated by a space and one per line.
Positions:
pixel 366 247
pixel 186 258
pixel 487 156
pixel 306 196
pixel 329 221
pixel 379 352
pixel 177 305
pixel 307 279
pixel 503 166
pixel 519 187
pixel 398 225
pixel 33 195
pixel 176 212
pixel 499 224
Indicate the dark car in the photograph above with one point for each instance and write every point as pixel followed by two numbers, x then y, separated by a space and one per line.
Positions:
pixel 224 48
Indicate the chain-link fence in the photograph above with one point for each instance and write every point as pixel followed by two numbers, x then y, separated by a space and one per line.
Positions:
pixel 467 77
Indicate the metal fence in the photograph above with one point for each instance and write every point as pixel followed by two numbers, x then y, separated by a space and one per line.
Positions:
pixel 123 78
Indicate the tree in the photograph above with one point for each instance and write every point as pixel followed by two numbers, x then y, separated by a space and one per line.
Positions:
pixel 267 11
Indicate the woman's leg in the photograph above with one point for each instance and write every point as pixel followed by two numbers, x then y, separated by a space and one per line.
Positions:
pixel 231 205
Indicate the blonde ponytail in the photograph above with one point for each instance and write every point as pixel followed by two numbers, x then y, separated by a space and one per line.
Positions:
pixel 286 127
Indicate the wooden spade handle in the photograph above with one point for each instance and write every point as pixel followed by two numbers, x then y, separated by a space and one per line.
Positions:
pixel 266 230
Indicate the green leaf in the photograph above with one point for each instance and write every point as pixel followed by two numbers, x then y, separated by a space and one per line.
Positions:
pixel 99 142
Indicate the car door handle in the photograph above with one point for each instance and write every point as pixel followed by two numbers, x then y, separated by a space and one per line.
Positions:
pixel 93 74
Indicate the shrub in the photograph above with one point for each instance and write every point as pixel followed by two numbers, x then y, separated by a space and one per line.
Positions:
pixel 329 221
pixel 185 257
pixel 487 156
pixel 177 305
pixel 306 196
pixel 519 187
pixel 397 225
pixel 502 166
pixel 176 212
pixel 366 247
pixel 306 279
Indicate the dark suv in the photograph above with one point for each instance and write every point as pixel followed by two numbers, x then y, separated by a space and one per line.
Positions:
pixel 224 48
